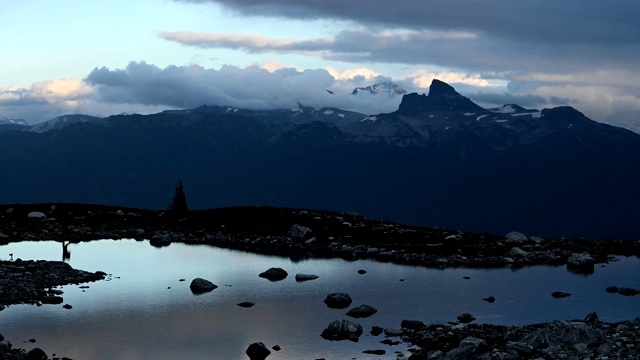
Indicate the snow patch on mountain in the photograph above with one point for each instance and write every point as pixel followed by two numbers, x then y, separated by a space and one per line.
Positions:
pixel 385 88
pixel 12 121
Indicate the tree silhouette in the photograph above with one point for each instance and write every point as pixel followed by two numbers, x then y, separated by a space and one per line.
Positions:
pixel 178 205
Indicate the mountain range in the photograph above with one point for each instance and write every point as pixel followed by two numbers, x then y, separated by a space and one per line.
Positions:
pixel 439 160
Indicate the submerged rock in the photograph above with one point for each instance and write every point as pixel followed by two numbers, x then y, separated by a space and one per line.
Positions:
pixel 342 330
pixel 362 311
pixel 274 274
pixel 560 294
pixel 201 286
pixel 258 351
pixel 305 277
pixel 338 300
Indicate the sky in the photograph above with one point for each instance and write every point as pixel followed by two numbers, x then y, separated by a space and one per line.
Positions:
pixel 144 56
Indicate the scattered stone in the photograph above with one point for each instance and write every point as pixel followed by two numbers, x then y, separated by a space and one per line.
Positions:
pixel 375 352
pixel 376 330
pixel 515 236
pixel 393 332
pixel 362 311
pixel 36 215
pixel 257 351
pixel 412 324
pixel 489 299
pixel 246 304
pixel 338 300
pixel 611 289
pixel 560 294
pixel 274 274
pixel 517 252
pixel 276 347
pixel 67 306
pixel 298 231
pixel 305 277
pixel 362 272
pixel 201 286
pixel 342 330
pixel 465 318
pixel 628 291
pixel 390 342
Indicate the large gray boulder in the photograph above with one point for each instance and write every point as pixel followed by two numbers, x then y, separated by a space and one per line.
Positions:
pixel 201 286
pixel 274 274
pixel 515 236
pixel 469 348
pixel 342 330
pixel 362 311
pixel 338 300
pixel 258 351
pixel 581 261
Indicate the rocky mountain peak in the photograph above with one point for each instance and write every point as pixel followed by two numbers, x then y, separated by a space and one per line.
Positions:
pixel 442 97
pixel 385 88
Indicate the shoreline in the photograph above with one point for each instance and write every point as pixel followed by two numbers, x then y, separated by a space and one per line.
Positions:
pixel 300 234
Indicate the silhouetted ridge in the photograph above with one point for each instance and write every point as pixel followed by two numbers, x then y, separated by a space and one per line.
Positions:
pixel 442 97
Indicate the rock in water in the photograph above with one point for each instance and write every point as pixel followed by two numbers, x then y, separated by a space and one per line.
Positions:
pixel 412 324
pixel 201 286
pixel 362 311
pixel 338 300
pixel 466 318
pixel 274 274
pixel 560 294
pixel 305 277
pixel 342 330
pixel 36 354
pixel 257 351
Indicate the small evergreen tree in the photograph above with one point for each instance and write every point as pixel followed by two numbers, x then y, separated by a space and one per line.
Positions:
pixel 179 203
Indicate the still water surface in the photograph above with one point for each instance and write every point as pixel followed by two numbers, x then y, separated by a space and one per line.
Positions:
pixel 146 312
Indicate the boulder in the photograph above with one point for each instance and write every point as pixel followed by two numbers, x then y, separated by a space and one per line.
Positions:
pixel 36 215
pixel 376 330
pixel 246 304
pixel 298 231
pixel 566 334
pixel 52 299
pixel 515 236
pixel 580 260
pixel 469 348
pixel 517 252
pixel 412 324
pixel 466 318
pixel 338 300
pixel 362 311
pixel 489 299
pixel 342 330
pixel 305 277
pixel 36 354
pixel 560 294
pixel 201 286
pixel 257 351
pixel 274 274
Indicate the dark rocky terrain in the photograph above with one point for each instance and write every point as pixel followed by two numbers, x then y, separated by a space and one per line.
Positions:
pixel 299 234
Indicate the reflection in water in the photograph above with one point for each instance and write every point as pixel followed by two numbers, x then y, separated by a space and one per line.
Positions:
pixel 147 312
pixel 66 254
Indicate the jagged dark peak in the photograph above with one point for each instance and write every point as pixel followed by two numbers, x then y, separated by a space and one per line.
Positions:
pixel 442 98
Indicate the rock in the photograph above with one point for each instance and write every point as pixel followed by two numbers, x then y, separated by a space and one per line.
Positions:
pixel 611 289
pixel 67 306
pixel 376 330
pixel 257 351
pixel 580 260
pixel 465 318
pixel 362 311
pixel 375 352
pixel 36 354
pixel 342 330
pixel 521 349
pixel 246 304
pixel 362 272
pixel 276 347
pixel 489 299
pixel 36 215
pixel 201 286
pixel 566 334
pixel 469 348
pixel 338 300
pixel 160 239
pixel 393 332
pixel 305 277
pixel 274 274
pixel 517 252
pixel 628 291
pixel 298 231
pixel 51 299
pixel 515 236
pixel 591 318
pixel 560 294
pixel 412 324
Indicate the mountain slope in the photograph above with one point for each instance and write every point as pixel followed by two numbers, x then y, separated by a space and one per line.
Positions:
pixel 439 160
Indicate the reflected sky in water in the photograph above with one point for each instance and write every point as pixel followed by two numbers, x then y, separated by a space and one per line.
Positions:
pixel 145 312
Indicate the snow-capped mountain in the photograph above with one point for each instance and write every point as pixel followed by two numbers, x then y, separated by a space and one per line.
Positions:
pixel 11 121
pixel 385 88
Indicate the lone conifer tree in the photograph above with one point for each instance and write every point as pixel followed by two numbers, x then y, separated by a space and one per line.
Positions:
pixel 179 203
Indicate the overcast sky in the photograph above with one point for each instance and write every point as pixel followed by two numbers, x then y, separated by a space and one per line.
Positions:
pixel 106 57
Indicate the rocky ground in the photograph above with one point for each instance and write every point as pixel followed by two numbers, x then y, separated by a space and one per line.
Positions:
pixel 310 233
